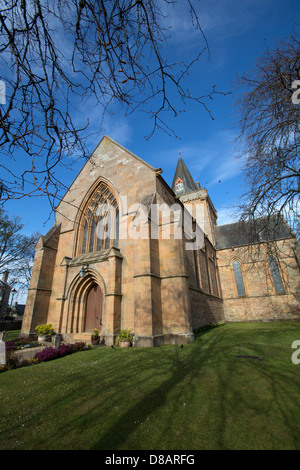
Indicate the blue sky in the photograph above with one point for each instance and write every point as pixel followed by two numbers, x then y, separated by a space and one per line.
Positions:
pixel 237 33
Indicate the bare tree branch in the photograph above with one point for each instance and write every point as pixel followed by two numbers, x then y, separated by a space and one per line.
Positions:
pixel 16 251
pixel 269 137
pixel 56 53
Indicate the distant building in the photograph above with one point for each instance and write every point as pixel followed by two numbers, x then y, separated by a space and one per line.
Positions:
pixel 5 290
pixel 17 311
pixel 156 277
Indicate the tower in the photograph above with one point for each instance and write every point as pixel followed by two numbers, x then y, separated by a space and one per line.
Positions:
pixel 191 194
pixel 183 182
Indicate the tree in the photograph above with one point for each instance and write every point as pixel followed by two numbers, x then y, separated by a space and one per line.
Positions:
pixel 16 251
pixel 55 53
pixel 269 112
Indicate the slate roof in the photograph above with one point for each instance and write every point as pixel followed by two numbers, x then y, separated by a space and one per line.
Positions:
pixel 247 233
pixel 183 173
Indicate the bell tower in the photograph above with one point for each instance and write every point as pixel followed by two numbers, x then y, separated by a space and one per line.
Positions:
pixel 191 194
pixel 183 182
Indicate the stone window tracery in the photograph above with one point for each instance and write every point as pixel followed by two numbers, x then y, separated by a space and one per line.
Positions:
pixel 100 221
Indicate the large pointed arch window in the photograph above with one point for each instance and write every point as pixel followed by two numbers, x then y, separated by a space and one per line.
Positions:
pixel 99 222
pixel 238 275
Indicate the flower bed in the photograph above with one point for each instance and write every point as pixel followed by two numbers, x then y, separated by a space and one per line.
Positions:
pixel 13 346
pixel 23 342
pixel 47 354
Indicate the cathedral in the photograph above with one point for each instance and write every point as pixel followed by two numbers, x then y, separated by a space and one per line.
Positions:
pixel 127 251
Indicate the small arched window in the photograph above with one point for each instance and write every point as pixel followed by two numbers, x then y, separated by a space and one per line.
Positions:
pixel 277 280
pixel 100 221
pixel 238 278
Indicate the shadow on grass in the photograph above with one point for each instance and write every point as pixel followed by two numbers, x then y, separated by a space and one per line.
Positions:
pixel 234 397
pixel 151 403
pixel 196 397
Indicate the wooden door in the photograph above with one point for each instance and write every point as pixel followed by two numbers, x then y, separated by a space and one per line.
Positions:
pixel 93 314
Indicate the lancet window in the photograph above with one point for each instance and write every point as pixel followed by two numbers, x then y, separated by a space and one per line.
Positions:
pixel 238 278
pixel 277 280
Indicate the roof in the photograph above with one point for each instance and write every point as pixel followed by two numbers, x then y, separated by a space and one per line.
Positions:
pixel 102 141
pixel 250 232
pixel 183 174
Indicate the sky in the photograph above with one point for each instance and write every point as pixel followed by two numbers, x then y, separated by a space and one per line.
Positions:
pixel 237 33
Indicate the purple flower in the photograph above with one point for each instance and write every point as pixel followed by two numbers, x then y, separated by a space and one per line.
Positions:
pixel 10 345
pixel 50 353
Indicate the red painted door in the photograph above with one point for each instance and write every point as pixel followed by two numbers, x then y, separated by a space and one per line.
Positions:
pixel 93 315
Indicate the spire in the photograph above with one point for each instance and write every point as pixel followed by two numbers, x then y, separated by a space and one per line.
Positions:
pixel 183 182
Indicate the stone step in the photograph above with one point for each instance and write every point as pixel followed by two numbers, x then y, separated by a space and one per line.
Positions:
pixel 26 354
pixel 77 337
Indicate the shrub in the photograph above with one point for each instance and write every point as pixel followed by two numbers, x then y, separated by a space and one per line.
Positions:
pixel 208 327
pixel 47 354
pixel 50 353
pixel 124 335
pixel 80 346
pixel 10 345
pixel 45 329
pixel 64 350
pixel 3 368
pixel 22 340
pixel 12 360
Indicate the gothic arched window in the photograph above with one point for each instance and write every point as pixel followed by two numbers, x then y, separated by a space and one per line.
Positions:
pixel 100 221
pixel 277 280
pixel 238 278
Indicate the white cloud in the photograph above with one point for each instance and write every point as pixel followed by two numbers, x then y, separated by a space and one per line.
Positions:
pixel 229 18
pixel 222 19
pixel 118 129
pixel 227 215
pixel 209 160
pixel 216 156
pixel 226 169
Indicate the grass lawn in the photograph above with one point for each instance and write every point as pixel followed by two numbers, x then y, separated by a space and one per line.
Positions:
pixel 13 334
pixel 200 396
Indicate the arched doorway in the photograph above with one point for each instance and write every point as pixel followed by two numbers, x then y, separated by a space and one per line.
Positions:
pixel 93 308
